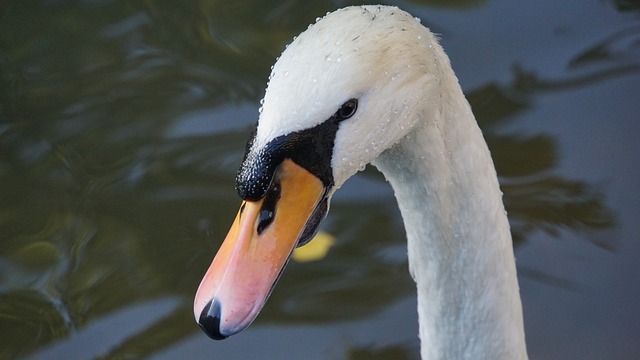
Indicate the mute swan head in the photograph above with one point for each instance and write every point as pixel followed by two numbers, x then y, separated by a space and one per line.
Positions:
pixel 349 90
pixel 349 87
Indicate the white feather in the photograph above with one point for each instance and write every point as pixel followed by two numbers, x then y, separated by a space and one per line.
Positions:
pixel 415 125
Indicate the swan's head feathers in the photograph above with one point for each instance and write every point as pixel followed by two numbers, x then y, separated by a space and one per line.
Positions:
pixel 352 53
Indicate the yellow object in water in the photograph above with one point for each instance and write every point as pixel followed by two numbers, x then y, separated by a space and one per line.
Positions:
pixel 316 249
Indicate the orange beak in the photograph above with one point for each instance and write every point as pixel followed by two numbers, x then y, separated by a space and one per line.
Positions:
pixel 256 250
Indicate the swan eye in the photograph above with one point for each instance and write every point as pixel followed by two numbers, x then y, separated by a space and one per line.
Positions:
pixel 347 110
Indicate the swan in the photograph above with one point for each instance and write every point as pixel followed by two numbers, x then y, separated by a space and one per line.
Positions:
pixel 370 84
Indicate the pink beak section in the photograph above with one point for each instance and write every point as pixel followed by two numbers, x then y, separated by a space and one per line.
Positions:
pixel 255 251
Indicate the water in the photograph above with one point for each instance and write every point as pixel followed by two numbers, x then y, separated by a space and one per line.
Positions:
pixel 122 125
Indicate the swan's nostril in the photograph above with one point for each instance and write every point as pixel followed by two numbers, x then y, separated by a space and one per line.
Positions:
pixel 210 320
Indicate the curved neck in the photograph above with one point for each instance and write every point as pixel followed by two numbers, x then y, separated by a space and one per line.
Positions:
pixel 459 243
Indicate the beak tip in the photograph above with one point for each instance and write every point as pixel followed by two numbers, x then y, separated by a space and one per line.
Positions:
pixel 209 320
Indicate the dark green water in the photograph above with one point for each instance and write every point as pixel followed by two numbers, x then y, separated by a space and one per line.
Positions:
pixel 122 124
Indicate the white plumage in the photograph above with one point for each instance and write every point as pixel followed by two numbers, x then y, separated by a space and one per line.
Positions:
pixel 415 125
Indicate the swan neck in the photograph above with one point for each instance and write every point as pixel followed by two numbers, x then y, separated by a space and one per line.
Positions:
pixel 459 244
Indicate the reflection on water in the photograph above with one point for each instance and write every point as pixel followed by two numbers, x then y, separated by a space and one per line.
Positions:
pixel 121 127
pixel 535 198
